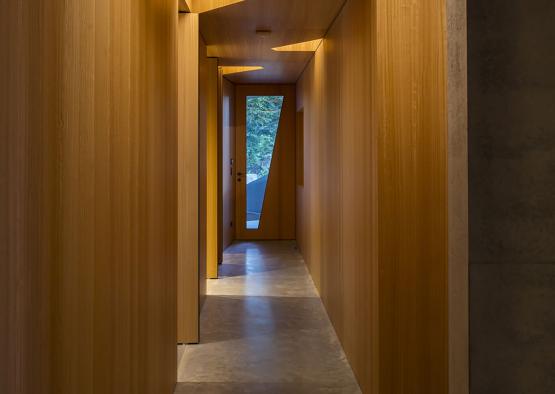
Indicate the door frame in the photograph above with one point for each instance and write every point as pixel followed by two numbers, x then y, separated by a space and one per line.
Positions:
pixel 281 204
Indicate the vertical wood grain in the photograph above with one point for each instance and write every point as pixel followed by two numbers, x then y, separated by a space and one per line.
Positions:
pixel 337 201
pixel 212 167
pixel 299 148
pixel 412 155
pixel 88 230
pixel 28 134
pixel 374 201
pixel 220 155
pixel 209 163
pixel 188 179
pixel 203 168
pixel 299 175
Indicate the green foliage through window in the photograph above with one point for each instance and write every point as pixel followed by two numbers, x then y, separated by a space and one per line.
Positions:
pixel 263 113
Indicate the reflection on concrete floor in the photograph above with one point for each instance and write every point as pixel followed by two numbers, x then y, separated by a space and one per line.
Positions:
pixel 264 329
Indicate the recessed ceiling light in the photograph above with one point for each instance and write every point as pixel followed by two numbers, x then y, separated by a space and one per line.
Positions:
pixel 263 32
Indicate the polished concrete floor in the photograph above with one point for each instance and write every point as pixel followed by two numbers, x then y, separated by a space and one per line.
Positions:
pixel 264 330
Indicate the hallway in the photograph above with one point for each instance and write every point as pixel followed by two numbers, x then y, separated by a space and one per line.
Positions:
pixel 376 175
pixel 264 329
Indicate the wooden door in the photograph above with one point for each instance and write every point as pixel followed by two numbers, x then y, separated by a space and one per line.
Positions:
pixel 265 168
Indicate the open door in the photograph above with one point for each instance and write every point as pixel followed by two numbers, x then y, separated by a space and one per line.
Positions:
pixel 265 152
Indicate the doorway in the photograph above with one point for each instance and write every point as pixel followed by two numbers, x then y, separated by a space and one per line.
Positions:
pixel 265 151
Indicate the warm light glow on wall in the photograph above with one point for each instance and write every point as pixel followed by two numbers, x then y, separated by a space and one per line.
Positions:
pixel 307 46
pixel 200 6
pixel 239 69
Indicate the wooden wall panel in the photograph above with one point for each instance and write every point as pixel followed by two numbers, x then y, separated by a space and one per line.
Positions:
pixel 374 201
pixel 203 170
pixel 88 230
pixel 228 170
pixel 188 179
pixel 299 148
pixel 212 169
pixel 28 184
pixel 412 162
pixel 208 129
pixel 220 156
pixel 337 233
pixel 299 175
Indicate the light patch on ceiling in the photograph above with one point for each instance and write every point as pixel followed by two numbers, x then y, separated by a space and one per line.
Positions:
pixel 239 69
pixel 306 46
pixel 184 5
pixel 200 6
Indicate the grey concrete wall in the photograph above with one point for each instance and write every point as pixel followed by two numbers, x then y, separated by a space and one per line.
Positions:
pixel 512 195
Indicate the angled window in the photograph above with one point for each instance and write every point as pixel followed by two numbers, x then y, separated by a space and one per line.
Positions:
pixel 263 114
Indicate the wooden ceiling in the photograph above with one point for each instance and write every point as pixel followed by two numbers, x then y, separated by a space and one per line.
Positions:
pixel 230 34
